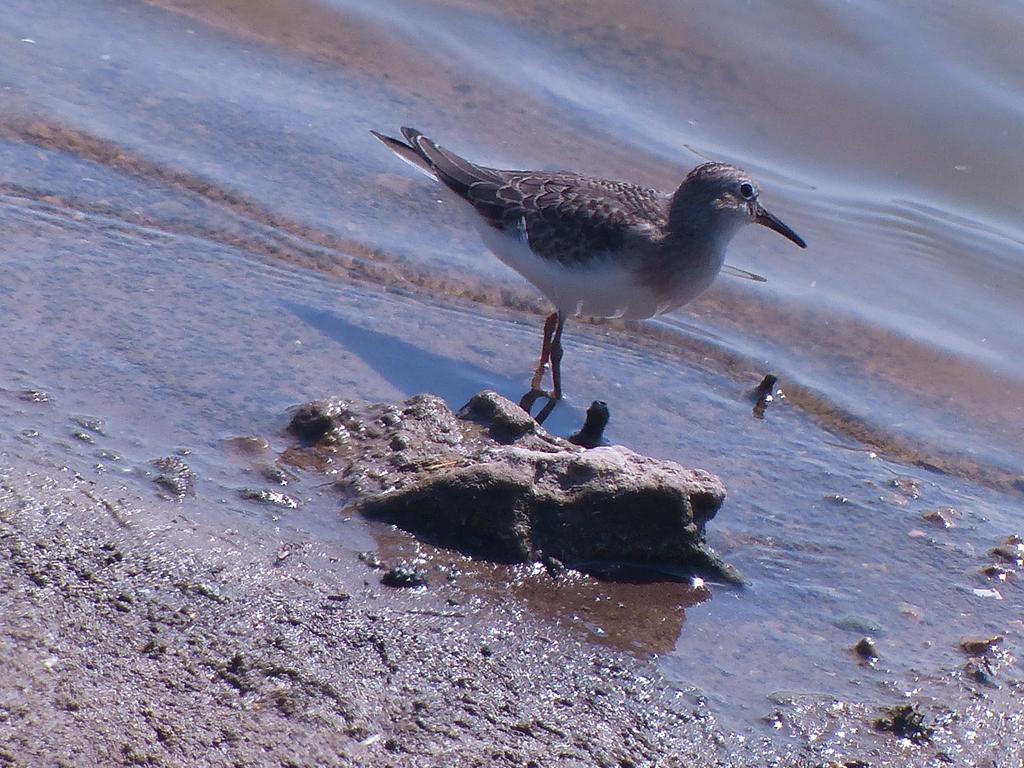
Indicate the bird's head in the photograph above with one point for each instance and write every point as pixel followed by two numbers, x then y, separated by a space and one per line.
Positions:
pixel 726 195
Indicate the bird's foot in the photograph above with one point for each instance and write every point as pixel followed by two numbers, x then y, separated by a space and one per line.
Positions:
pixel 530 398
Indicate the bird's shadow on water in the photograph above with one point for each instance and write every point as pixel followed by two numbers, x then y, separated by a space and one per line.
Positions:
pixel 414 370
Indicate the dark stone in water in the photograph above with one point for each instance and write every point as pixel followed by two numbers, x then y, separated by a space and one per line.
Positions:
pixel 980 670
pixel 403 577
pixel 311 422
pixel 592 433
pixel 272 498
pixel 944 517
pixel 979 646
pixel 866 649
pixel 859 624
pixel 371 559
pixel 905 722
pixel 764 394
pixel 176 476
pixel 553 565
pixel 490 481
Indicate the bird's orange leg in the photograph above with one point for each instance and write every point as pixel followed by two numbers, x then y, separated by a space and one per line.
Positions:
pixel 555 354
pixel 545 351
pixel 526 403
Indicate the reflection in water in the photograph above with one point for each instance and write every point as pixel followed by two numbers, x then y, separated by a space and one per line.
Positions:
pixel 639 615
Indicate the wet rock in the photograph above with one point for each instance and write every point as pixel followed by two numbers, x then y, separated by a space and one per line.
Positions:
pixel 312 421
pixel 905 722
pixel 553 565
pixel 90 423
pixel 1010 551
pixel 979 646
pixel 866 649
pixel 944 517
pixel 85 437
pixel 980 670
pixel 273 498
pixel 996 572
pixel 35 396
pixel 490 481
pixel 591 434
pixel 371 559
pixel 276 474
pixel 248 445
pixel 176 476
pixel 858 624
pixel 910 487
pixel 404 577
pixel 764 394
pixel 504 420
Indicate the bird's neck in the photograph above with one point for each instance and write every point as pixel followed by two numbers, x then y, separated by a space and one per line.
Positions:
pixel 695 220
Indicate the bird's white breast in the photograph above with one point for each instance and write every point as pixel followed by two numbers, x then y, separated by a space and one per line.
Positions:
pixel 605 286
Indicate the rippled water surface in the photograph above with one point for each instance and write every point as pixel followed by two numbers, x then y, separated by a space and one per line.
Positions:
pixel 199 231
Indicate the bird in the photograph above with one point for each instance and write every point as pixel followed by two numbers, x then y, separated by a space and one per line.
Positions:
pixel 597 247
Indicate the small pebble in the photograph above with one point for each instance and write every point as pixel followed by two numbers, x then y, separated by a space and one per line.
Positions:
pixel 866 648
pixel 979 646
pixel 273 498
pixel 371 559
pixel 942 516
pixel 404 577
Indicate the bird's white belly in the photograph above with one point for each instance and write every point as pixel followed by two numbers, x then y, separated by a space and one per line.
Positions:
pixel 603 287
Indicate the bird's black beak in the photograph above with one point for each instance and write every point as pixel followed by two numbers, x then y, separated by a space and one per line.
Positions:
pixel 761 216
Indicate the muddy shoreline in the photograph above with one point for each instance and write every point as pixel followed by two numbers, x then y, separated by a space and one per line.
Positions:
pixel 132 639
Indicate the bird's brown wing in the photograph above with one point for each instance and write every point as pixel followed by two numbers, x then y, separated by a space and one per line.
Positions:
pixel 565 216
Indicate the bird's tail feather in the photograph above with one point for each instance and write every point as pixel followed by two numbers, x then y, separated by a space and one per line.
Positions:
pixel 407 153
pixel 421 152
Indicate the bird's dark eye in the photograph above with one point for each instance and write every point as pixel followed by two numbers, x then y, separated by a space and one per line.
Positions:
pixel 747 190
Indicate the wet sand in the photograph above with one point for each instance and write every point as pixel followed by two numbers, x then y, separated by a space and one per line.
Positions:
pixel 129 640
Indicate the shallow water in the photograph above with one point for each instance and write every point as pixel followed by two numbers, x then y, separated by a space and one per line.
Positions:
pixel 199 232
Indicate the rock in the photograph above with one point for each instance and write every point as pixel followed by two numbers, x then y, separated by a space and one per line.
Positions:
pixel 859 624
pixel 591 434
pixel 764 394
pixel 944 517
pixel 907 486
pixel 1009 551
pixel 371 559
pixel 311 421
pixel 979 646
pixel 176 476
pixel 276 474
pixel 91 423
pixel 996 572
pixel 272 498
pixel 980 669
pixel 905 722
pixel 34 396
pixel 866 649
pixel 248 445
pixel 553 565
pixel 490 481
pixel 404 576
pixel 505 420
